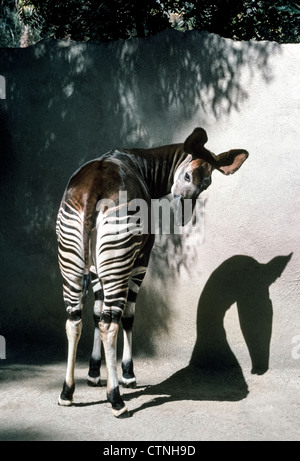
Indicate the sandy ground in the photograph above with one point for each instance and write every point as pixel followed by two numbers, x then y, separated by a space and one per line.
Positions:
pixel 169 404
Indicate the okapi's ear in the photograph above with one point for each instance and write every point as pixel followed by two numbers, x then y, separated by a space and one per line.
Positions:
pixel 229 162
pixel 194 143
pixel 274 268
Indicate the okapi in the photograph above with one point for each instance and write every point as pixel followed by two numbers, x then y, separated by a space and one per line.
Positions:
pixel 90 248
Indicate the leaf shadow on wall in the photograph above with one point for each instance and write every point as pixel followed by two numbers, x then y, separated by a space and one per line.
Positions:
pixel 192 71
pixel 214 373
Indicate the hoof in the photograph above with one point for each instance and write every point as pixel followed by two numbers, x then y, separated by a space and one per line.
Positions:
pixel 66 397
pixel 129 383
pixel 120 414
pixel 94 382
pixel 63 402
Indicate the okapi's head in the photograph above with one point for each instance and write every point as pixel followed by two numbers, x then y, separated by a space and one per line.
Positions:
pixel 193 175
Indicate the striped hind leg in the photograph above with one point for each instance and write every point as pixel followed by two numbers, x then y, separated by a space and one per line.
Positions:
pixel 135 282
pixel 116 255
pixel 136 279
pixel 115 294
pixel 73 330
pixel 70 255
pixel 93 378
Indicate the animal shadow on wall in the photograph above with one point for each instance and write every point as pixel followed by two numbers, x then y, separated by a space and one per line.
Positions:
pixel 214 372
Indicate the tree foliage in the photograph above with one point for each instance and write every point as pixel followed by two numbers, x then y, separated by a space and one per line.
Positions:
pixel 105 20
pixel 10 27
pixel 276 20
pixel 100 20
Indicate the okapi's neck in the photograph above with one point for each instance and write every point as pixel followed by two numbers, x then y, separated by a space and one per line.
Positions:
pixel 157 166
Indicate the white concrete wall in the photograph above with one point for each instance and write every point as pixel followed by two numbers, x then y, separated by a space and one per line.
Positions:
pixel 256 212
pixel 69 102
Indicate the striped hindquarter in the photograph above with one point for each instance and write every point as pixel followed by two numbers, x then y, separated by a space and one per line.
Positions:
pixel 69 231
pixel 115 246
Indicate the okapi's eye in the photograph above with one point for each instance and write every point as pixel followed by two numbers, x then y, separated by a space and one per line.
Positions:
pixel 187 177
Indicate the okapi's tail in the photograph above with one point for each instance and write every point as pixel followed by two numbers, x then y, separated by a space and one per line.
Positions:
pixel 88 221
pixel 85 286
